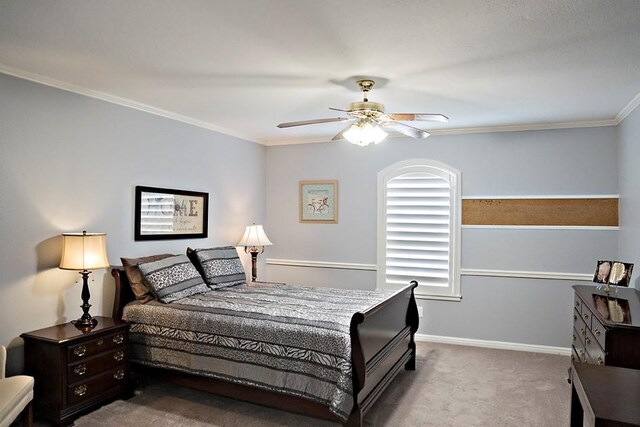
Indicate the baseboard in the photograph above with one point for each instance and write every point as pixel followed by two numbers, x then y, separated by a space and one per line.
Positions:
pixel 501 345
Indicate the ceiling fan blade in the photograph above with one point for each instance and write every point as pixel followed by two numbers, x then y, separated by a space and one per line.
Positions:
pixel 338 109
pixel 340 135
pixel 405 129
pixel 312 122
pixel 408 117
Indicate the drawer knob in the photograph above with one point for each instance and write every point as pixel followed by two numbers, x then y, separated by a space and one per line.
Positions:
pixel 80 350
pixel 574 337
pixel 118 339
pixel 100 342
pixel 583 332
pixel 586 315
pixel 81 390
pixel 575 317
pixel 80 369
pixel 600 361
pixel 118 356
pixel 118 375
pixel 597 332
pixel 577 304
pixel 588 341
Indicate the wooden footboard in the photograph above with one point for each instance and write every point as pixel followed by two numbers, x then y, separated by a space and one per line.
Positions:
pixel 382 343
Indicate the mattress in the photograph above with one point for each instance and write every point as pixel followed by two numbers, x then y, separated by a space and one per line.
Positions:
pixel 288 339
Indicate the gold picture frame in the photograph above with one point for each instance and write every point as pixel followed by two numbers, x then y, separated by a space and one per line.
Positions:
pixel 318 201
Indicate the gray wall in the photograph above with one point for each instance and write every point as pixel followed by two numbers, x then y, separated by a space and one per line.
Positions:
pixel 540 163
pixel 629 183
pixel 70 163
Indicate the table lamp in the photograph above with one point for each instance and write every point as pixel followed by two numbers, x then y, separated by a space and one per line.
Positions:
pixel 84 252
pixel 254 241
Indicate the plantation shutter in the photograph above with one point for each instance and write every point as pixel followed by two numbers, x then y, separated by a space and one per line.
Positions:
pixel 418 229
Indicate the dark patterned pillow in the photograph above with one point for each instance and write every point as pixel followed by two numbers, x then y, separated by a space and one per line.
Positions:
pixel 172 278
pixel 221 267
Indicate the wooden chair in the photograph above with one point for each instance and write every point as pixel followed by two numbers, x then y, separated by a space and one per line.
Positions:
pixel 16 395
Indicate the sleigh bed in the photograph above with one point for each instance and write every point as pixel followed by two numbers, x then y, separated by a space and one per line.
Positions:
pixel 379 342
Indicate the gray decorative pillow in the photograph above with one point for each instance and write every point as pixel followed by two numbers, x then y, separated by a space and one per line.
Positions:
pixel 139 288
pixel 221 266
pixel 172 278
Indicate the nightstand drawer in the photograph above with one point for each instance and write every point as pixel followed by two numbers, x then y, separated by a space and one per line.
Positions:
pixel 87 368
pixel 95 346
pixel 115 379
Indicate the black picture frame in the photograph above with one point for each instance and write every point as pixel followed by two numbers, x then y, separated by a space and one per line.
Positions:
pixel 167 214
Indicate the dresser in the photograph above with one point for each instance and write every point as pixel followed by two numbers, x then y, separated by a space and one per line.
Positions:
pixel 77 371
pixel 606 328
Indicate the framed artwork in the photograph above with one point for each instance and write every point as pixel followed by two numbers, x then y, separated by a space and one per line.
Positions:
pixel 620 273
pixel 613 273
pixel 164 214
pixel 319 201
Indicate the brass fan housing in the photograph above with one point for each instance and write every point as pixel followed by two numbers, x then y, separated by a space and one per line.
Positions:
pixel 366 106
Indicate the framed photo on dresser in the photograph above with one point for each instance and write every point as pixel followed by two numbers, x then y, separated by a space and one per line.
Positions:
pixel 613 273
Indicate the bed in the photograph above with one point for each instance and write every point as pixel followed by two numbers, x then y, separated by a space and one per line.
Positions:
pixel 379 337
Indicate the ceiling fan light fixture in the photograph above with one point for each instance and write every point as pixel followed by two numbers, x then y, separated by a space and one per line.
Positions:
pixel 364 133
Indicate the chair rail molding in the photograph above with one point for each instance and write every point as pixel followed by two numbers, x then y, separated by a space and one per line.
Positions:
pixel 544 275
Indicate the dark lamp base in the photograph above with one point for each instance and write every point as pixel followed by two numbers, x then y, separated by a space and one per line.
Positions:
pixel 85 323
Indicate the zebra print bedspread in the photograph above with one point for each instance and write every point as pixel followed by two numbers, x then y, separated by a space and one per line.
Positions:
pixel 290 339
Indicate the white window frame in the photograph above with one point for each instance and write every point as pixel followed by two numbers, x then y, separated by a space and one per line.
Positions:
pixel 453 176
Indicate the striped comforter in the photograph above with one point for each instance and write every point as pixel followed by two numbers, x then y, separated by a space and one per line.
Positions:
pixel 290 339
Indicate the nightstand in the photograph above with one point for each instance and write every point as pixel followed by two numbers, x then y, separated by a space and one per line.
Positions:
pixel 77 371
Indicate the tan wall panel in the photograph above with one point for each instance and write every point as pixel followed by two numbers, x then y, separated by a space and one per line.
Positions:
pixel 543 212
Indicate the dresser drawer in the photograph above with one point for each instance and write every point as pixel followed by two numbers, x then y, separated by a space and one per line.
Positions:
pixel 92 347
pixel 87 368
pixel 579 346
pixel 115 379
pixel 582 355
pixel 577 303
pixel 586 315
pixel 595 352
pixel 574 355
pixel 599 331
pixel 581 329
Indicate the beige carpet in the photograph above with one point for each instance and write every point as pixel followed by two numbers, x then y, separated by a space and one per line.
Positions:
pixel 452 386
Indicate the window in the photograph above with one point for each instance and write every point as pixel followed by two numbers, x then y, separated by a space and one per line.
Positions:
pixel 419 228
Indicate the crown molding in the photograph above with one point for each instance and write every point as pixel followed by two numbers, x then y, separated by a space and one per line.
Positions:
pixel 469 130
pixel 103 96
pixel 70 87
pixel 628 109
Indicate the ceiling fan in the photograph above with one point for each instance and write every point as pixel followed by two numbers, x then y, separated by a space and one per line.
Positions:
pixel 371 121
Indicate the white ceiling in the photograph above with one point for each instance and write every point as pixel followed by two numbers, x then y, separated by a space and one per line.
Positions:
pixel 244 66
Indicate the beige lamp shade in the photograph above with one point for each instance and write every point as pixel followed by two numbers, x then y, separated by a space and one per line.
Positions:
pixel 254 235
pixel 84 251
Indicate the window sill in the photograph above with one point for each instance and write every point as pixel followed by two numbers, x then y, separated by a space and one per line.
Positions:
pixel 454 298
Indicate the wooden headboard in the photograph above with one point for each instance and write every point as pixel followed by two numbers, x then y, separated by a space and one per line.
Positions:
pixel 123 294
